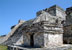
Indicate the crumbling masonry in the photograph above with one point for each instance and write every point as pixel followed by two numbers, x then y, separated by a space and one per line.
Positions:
pixel 50 28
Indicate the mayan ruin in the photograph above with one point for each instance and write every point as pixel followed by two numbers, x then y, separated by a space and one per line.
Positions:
pixel 52 27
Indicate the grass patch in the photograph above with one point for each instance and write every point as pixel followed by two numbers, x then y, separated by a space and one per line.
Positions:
pixel 69 49
pixel 2 47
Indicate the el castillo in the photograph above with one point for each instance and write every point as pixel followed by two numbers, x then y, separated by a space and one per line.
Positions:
pixel 50 30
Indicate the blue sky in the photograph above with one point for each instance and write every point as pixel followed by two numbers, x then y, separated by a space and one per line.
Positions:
pixel 13 10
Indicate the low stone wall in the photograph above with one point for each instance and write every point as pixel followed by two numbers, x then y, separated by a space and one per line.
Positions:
pixel 64 47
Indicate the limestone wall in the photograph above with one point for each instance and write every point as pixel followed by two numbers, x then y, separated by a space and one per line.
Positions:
pixel 55 39
pixel 68 34
pixel 51 40
pixel 26 39
pixel 39 40
pixel 20 41
pixel 68 26
pixel 1 39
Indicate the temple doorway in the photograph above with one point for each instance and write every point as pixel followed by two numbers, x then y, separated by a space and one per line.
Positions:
pixel 32 40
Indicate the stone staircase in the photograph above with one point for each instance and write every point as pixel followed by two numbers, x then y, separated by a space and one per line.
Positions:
pixel 13 36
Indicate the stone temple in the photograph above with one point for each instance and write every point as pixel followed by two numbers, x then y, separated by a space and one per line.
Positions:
pixel 48 29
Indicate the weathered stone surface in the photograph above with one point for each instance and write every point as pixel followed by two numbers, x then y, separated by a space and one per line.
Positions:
pixel 63 47
pixel 69 16
pixel 68 26
pixel 54 11
pixel 39 40
pixel 46 30
pixel 13 36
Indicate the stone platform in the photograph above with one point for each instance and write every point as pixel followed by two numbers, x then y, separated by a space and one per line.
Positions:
pixel 63 47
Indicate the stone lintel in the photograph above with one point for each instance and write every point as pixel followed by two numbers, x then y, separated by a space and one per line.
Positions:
pixel 54 32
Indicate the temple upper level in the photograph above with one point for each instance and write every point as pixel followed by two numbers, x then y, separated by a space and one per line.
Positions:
pixel 54 11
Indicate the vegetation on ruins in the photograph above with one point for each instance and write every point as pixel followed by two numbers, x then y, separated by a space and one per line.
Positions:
pixel 2 47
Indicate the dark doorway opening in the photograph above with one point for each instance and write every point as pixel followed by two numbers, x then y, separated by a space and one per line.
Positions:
pixel 31 40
